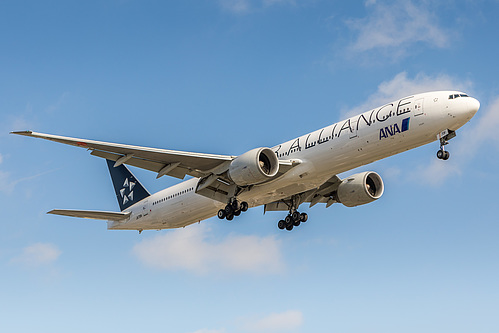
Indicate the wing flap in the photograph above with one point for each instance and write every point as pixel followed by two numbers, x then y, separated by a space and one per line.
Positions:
pixel 92 214
pixel 177 172
pixel 322 194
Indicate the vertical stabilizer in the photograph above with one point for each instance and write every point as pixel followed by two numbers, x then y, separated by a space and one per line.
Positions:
pixel 127 188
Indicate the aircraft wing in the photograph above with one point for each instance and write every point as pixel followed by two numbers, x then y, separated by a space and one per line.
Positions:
pixel 322 194
pixel 92 214
pixel 164 162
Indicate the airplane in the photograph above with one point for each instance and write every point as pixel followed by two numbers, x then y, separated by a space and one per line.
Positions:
pixel 281 178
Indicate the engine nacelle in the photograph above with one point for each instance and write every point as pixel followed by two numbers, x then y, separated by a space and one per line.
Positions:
pixel 360 189
pixel 254 167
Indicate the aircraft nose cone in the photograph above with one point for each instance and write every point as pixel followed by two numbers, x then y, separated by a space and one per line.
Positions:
pixel 473 105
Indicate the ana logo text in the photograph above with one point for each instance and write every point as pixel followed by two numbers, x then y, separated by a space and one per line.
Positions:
pixel 391 130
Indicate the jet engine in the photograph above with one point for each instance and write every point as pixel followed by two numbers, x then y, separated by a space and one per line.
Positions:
pixel 254 167
pixel 360 189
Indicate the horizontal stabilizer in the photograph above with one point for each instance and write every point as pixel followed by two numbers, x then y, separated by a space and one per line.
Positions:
pixel 92 214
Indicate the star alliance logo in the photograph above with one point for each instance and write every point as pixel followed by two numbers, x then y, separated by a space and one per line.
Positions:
pixel 127 187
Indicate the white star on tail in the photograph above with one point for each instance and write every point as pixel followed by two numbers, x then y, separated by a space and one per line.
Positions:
pixel 130 185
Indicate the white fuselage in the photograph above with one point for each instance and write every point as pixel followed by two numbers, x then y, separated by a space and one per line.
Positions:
pixel 381 132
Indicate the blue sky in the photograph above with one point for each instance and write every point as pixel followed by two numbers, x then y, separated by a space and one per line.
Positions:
pixel 225 77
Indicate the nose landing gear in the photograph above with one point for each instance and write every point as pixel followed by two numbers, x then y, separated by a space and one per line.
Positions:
pixel 443 137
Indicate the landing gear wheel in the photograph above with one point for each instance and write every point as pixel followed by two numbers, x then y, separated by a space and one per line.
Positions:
pixel 228 210
pixel 235 205
pixel 443 154
pixel 221 214
pixel 295 216
pixel 293 219
pixel 233 208
pixel 303 217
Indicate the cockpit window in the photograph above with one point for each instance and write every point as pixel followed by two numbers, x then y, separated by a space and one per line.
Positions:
pixel 457 95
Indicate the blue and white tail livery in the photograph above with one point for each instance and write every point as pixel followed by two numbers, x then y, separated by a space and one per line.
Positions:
pixel 128 189
pixel 281 178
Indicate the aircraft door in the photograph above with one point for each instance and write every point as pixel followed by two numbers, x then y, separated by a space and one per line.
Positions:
pixel 145 208
pixel 418 107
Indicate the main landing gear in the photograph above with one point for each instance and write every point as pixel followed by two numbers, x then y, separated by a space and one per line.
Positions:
pixel 233 208
pixel 293 219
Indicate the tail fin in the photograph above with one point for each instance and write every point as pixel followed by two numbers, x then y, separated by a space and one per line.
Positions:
pixel 127 188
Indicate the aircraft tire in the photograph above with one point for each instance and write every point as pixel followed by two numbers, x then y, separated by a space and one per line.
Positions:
pixel 296 216
pixel 296 223
pixel 303 217
pixel 221 214
pixel 244 206
pixel 281 224
pixel 288 220
pixel 237 213
pixel 289 227
pixel 236 205
pixel 230 217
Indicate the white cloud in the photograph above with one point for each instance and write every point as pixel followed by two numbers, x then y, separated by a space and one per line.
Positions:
pixel 38 254
pixel 402 86
pixel 395 28
pixel 437 171
pixel 278 322
pixel 192 249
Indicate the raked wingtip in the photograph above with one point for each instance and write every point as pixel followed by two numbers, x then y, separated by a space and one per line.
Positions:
pixel 22 132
